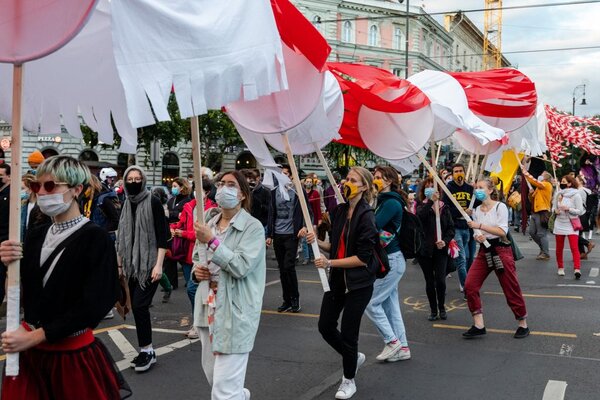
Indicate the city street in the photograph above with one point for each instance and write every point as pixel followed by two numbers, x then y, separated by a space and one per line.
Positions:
pixel 291 361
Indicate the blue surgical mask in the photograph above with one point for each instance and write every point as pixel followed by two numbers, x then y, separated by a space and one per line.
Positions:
pixel 175 191
pixel 429 192
pixel 481 194
pixel 227 197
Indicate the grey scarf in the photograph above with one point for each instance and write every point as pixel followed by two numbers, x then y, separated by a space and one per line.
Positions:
pixel 136 244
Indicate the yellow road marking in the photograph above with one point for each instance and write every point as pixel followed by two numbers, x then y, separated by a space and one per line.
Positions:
pixel 541 296
pixel 308 281
pixel 537 333
pixel 288 314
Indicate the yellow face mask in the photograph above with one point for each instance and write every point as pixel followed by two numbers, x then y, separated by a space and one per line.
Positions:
pixel 351 190
pixel 378 184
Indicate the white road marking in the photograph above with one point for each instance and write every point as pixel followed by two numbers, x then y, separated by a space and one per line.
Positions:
pixel 566 350
pixel 122 343
pixel 555 390
pixel 126 363
pixel 574 285
pixel 272 283
pixel 162 330
pixel 594 272
pixel 590 282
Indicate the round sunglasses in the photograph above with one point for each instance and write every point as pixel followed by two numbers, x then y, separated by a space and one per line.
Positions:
pixel 49 186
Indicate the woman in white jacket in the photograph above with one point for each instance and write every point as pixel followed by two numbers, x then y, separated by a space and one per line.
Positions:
pixel 568 206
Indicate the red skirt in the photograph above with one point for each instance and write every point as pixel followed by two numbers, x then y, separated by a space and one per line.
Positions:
pixel 49 371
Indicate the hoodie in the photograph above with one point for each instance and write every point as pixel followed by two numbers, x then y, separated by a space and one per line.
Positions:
pixel 571 198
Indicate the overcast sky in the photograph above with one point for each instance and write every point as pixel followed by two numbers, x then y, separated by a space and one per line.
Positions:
pixel 555 74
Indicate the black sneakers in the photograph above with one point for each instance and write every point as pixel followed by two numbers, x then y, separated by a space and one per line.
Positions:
pixel 521 333
pixel 143 361
pixel 474 332
pixel 285 306
pixel 295 306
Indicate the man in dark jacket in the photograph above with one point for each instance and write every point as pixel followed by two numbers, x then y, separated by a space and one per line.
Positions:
pixel 284 223
pixel 261 197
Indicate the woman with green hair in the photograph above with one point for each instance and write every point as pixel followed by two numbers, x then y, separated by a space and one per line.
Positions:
pixel 69 280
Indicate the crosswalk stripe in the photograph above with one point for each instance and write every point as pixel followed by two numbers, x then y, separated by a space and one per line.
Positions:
pixel 555 390
pixel 122 343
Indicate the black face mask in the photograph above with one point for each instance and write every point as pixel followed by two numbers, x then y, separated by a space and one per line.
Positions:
pixel 133 188
pixel 563 185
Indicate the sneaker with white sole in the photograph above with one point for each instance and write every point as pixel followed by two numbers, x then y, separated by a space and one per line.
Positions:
pixel 577 274
pixel 360 360
pixel 561 272
pixel 402 355
pixel 144 361
pixel 346 389
pixel 192 333
pixel 389 350
pixel 246 394
pixel 110 315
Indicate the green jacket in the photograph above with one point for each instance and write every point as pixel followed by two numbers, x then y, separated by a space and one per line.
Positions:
pixel 241 256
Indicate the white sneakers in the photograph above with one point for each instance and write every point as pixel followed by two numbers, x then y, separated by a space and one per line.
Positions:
pixel 246 394
pixel 360 360
pixel 389 350
pixel 346 389
pixel 561 272
pixel 192 333
pixel 401 355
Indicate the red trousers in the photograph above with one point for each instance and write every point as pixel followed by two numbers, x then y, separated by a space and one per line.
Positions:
pixel 478 273
pixel 573 244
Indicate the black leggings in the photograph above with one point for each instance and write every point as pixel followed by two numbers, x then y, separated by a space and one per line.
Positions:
pixel 140 305
pixel 434 270
pixel 345 340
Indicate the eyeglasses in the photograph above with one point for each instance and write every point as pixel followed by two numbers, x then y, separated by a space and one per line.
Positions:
pixel 131 180
pixel 49 186
pixel 230 184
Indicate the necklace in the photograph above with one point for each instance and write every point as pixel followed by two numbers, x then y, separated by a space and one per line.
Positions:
pixel 59 227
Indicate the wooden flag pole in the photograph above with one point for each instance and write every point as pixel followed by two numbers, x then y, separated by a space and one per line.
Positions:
pixel 437 157
pixel 459 156
pixel 336 189
pixel 436 204
pixel 304 206
pixel 469 168
pixel 447 191
pixel 203 286
pixel 520 164
pixel 13 292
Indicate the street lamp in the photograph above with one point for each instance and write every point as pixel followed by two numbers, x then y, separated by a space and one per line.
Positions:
pixel 406 46
pixel 577 88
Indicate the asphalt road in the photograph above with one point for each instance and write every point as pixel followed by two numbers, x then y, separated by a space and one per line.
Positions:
pixel 291 361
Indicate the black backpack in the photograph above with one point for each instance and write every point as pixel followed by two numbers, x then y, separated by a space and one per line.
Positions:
pixel 411 235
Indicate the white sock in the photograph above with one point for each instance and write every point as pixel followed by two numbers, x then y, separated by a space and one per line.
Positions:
pixel 147 349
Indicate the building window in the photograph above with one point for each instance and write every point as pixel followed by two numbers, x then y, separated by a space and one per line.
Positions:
pixel 399 72
pixel 347 32
pixel 456 55
pixel 399 39
pixel 373 35
pixel 428 46
pixel 88 155
pixel 464 58
pixel 317 23
pixel 170 168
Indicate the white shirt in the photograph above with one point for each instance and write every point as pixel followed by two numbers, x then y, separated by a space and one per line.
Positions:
pixel 497 216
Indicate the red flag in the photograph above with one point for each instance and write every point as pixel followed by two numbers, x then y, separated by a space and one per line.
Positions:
pixel 299 34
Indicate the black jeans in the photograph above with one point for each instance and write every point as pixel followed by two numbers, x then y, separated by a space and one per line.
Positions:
pixel 434 270
pixel 345 340
pixel 170 269
pixel 286 248
pixel 140 306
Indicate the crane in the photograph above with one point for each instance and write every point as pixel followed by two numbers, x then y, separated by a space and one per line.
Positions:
pixel 492 38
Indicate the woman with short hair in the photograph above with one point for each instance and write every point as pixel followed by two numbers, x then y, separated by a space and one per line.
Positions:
pixel 228 313
pixel 69 280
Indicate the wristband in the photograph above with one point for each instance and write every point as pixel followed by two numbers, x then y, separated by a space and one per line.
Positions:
pixel 213 244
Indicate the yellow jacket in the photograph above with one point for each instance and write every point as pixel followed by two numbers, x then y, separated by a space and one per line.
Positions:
pixel 542 196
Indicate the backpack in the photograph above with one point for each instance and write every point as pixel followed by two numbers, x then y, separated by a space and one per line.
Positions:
pixel 411 235
pixel 98 216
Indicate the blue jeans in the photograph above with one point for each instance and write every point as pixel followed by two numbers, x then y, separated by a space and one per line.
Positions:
pixel 467 247
pixel 384 307
pixel 307 251
pixel 190 286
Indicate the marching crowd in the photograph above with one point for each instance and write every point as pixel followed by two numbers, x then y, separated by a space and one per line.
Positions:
pixel 135 239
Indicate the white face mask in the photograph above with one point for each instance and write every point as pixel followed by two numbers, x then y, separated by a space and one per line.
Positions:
pixel 541 178
pixel 53 204
pixel 227 197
